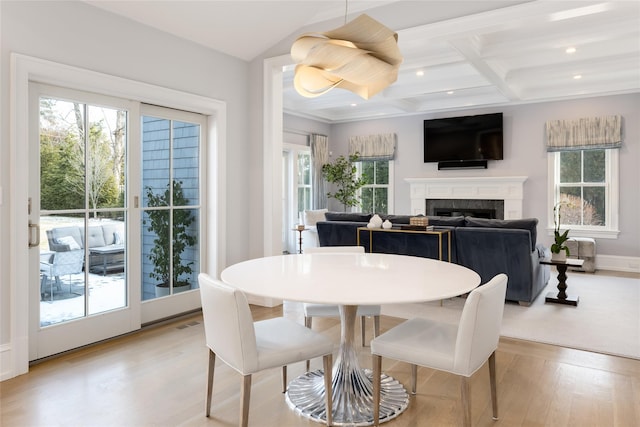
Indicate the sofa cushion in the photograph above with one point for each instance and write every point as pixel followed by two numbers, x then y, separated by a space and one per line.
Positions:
pixel 347 216
pixel 312 217
pixel 55 234
pixel 530 224
pixel 95 237
pixel 113 233
pixel 449 221
pixel 396 219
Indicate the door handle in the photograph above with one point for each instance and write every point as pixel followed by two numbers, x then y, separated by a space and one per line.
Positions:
pixel 37 228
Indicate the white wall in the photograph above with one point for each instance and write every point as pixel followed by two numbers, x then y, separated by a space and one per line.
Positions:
pixel 524 155
pixel 80 35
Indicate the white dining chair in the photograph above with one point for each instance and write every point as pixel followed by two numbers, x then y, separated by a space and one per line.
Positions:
pixel 328 310
pixel 250 347
pixel 459 349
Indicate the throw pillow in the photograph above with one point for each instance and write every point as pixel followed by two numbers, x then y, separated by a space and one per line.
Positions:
pixel 312 217
pixel 117 239
pixel 530 224
pixel 348 216
pixel 69 241
pixel 448 221
pixel 396 219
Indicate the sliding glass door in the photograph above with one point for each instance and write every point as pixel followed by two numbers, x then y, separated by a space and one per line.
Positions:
pixel 78 199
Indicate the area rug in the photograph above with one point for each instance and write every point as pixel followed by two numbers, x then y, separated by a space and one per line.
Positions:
pixel 606 320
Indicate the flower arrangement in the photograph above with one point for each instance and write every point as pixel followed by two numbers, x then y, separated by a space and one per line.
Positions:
pixel 559 238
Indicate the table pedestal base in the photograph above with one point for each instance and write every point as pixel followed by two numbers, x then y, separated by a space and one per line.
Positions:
pixel 567 300
pixel 352 397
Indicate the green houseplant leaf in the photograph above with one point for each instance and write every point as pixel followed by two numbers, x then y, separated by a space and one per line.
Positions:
pixel 168 233
pixel 342 172
pixel 559 238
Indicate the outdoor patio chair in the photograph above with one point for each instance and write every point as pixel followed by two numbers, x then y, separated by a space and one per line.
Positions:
pixel 60 264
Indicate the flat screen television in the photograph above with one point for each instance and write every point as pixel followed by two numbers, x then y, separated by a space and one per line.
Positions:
pixel 465 138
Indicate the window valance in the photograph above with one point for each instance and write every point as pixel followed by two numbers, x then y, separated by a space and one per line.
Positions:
pixel 373 147
pixel 584 134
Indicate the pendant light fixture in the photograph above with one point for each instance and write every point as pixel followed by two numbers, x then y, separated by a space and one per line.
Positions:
pixel 362 56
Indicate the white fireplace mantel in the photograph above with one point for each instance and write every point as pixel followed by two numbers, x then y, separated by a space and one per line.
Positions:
pixel 509 188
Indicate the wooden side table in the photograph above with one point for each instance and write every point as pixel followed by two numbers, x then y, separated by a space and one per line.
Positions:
pixel 561 266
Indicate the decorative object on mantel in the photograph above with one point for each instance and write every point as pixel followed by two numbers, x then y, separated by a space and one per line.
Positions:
pixel 559 251
pixel 585 133
pixel 343 173
pixel 362 56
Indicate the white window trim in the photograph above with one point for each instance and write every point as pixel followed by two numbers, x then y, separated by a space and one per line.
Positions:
pixel 611 230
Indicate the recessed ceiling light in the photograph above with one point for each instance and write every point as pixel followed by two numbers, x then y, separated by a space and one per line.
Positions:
pixel 571 50
pixel 354 104
pixel 419 73
pixel 450 92
pixel 577 76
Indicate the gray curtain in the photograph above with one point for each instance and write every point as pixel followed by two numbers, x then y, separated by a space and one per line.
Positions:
pixel 584 134
pixel 319 156
pixel 381 146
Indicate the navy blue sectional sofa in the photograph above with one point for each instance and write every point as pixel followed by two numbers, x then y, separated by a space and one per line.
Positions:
pixel 487 246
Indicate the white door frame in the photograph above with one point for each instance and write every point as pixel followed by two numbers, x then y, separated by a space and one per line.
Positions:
pixel 272 152
pixel 14 357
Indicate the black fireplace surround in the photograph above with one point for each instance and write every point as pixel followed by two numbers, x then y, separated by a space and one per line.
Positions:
pixel 489 209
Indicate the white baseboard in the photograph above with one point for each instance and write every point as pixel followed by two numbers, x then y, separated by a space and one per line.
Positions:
pixel 6 362
pixel 618 263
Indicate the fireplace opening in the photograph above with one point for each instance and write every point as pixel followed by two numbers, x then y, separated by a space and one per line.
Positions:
pixel 477 213
pixel 479 208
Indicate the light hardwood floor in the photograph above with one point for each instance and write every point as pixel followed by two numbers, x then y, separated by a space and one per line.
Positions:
pixel 157 377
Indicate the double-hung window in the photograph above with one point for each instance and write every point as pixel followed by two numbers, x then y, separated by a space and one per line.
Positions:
pixel 376 194
pixel 375 153
pixel 584 180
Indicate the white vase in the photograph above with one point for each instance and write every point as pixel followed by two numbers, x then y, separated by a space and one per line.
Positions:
pixel 376 220
pixel 387 224
pixel 561 256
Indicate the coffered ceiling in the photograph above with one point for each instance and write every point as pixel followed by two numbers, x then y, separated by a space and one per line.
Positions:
pixel 506 53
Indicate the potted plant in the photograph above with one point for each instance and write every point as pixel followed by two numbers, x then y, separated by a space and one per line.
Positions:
pixel 167 236
pixel 559 251
pixel 343 173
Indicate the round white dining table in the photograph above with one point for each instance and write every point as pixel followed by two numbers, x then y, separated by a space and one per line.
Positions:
pixel 349 280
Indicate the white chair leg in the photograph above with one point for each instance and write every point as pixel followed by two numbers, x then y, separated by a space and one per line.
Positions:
pixel 492 380
pixel 327 363
pixel 465 395
pixel 244 399
pixel 210 370
pixel 377 372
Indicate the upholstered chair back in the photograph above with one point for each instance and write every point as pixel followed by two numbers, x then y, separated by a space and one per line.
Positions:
pixel 229 329
pixel 479 328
